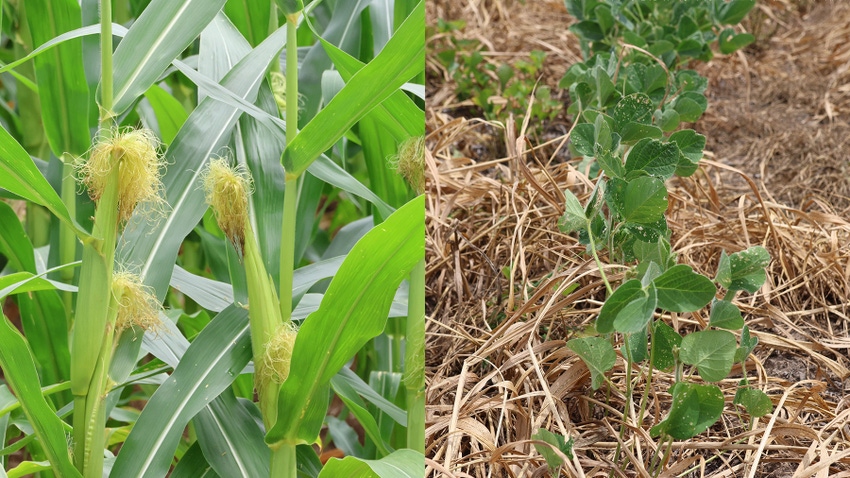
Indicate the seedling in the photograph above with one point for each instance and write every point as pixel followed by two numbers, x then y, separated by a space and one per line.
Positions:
pixel 629 103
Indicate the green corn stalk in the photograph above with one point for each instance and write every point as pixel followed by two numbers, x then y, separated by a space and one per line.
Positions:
pixel 97 307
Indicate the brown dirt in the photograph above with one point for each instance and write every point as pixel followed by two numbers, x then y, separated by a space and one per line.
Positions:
pixel 775 174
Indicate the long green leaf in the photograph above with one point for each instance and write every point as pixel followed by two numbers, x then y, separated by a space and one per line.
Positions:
pixel 231 440
pixel 401 464
pixel 343 29
pixel 254 146
pixel 251 17
pixel 401 59
pixel 19 371
pixel 61 78
pixel 353 311
pixel 398 114
pixel 207 368
pixel 165 28
pixel 204 134
pixel 117 30
pixel 42 313
pixel 20 176
pixel 170 114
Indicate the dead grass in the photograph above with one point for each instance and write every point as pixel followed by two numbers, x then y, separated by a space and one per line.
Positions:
pixel 506 290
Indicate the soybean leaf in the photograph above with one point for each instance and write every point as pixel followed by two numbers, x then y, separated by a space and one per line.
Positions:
pixel 711 351
pixel 680 289
pixel 208 367
pixel 691 144
pixel 625 294
pixel 664 339
pixel 602 134
pixel 653 157
pixel 353 310
pixel 582 139
pixel 644 200
pixel 724 271
pixel 400 60
pixel 748 344
pixel 166 27
pixel 729 42
pixel 573 218
pixel 62 84
pixel 756 402
pixel 732 12
pixel 634 316
pixel 694 409
pixel 19 175
pixel 558 442
pixel 747 269
pixel 633 131
pixel 597 353
pixel 610 162
pixel 635 108
pixel 20 374
pixel 404 463
pixel 669 120
pixel 690 106
pixel 726 315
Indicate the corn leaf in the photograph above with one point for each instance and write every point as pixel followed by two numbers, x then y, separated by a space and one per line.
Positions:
pixel 353 311
pixel 230 438
pixel 19 175
pixel 204 133
pixel 401 464
pixel 21 376
pixel 250 17
pixel 401 59
pixel 61 80
pixel 170 114
pixel 208 367
pixel 166 28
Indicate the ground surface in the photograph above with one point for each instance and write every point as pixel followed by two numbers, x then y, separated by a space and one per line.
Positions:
pixel 775 174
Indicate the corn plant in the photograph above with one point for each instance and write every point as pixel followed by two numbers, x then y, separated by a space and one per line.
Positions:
pixel 629 104
pixel 183 300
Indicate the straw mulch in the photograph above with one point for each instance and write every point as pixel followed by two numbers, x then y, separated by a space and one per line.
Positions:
pixel 506 289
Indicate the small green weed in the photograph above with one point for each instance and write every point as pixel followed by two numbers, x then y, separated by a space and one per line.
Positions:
pixel 498 90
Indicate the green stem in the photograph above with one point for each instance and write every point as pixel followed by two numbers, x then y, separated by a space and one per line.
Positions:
pixel 414 361
pixel 287 247
pixel 645 396
pixel 596 258
pixel 94 418
pixel 67 236
pixel 106 77
pixel 290 198
pixel 96 308
pixel 283 464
